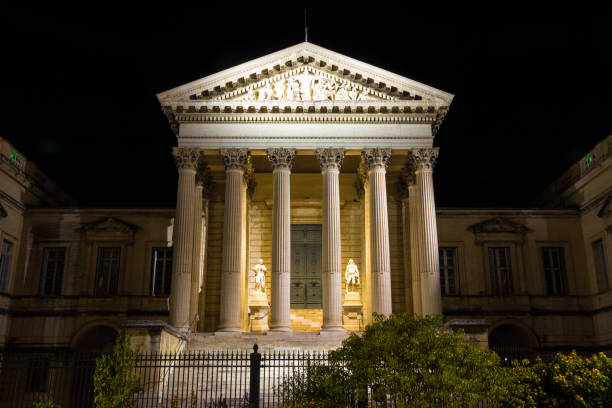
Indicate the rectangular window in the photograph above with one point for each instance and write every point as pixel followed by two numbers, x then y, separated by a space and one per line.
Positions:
pixel 5 264
pixel 53 271
pixel 553 259
pixel 449 284
pixel 107 271
pixel 501 271
pixel 161 274
pixel 599 257
pixel 37 375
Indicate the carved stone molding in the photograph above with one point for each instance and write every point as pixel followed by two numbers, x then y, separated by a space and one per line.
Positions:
pixel 330 158
pixel 281 157
pixel 186 157
pixel 376 157
pixel 498 225
pixel 235 158
pixel 424 159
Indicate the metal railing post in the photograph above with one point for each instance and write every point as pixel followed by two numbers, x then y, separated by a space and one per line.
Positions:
pixel 254 378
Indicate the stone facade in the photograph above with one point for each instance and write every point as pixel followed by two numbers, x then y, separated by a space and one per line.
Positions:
pixel 284 142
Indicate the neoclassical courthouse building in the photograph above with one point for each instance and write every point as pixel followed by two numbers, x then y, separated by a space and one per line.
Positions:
pixel 304 159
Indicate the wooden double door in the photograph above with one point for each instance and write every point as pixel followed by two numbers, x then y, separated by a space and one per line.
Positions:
pixel 306 292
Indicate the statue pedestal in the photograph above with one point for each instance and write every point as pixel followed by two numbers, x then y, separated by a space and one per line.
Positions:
pixel 352 316
pixel 258 312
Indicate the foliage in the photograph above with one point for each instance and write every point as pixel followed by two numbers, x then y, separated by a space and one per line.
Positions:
pixel 404 359
pixel 567 381
pixel 46 404
pixel 114 379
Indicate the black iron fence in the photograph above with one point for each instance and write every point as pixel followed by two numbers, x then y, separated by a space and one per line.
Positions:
pixel 200 379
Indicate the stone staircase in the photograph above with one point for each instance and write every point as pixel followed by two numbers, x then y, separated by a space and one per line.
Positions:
pixel 306 320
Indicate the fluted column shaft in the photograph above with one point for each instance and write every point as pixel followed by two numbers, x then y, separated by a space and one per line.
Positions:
pixel 414 251
pixel 235 161
pixel 431 297
pixel 197 246
pixel 330 161
pixel 376 161
pixel 282 160
pixel 182 264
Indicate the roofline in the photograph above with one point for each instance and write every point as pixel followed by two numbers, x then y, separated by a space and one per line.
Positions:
pixel 250 65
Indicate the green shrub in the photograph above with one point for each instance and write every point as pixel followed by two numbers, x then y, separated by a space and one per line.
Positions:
pixel 46 404
pixel 409 360
pixel 567 381
pixel 114 380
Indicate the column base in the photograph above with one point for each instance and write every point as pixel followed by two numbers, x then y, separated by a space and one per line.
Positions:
pixel 229 329
pixel 280 329
pixel 332 329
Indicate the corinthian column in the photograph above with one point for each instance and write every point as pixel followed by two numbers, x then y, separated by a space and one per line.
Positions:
pixel 235 161
pixel 282 160
pixel 330 161
pixel 376 160
pixel 431 299
pixel 186 162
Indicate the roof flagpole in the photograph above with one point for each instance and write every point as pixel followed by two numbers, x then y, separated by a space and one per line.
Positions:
pixel 305 28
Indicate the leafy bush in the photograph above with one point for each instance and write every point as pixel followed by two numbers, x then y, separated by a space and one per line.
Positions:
pixel 114 380
pixel 409 360
pixel 567 381
pixel 46 404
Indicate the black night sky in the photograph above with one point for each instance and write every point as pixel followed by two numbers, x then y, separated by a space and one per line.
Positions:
pixel 533 88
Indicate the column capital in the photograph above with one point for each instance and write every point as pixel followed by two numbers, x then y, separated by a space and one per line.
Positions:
pixel 235 158
pixel 186 157
pixel 281 157
pixel 330 158
pixel 376 157
pixel 424 159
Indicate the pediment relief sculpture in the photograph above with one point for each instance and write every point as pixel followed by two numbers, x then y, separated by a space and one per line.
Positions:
pixel 307 85
pixel 498 225
pixel 109 225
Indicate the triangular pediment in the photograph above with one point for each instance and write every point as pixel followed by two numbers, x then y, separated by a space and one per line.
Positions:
pixel 606 208
pixel 109 224
pixel 498 225
pixel 305 72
